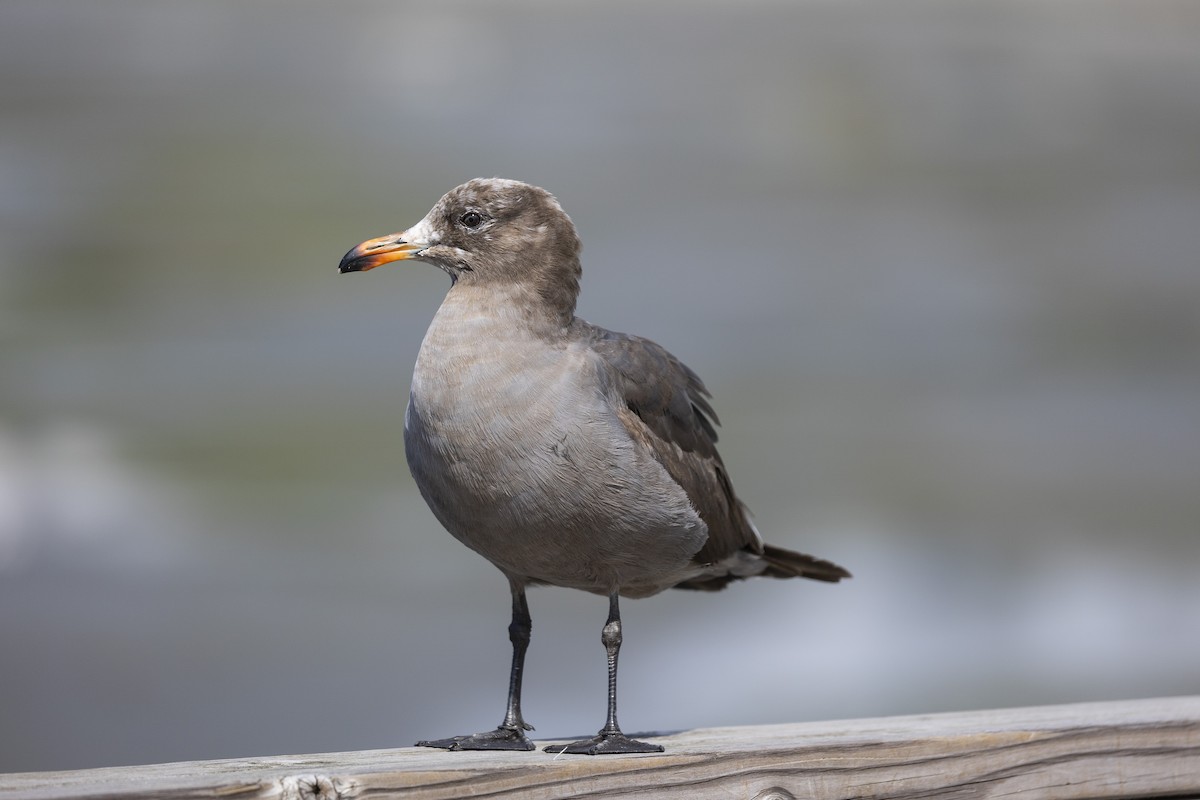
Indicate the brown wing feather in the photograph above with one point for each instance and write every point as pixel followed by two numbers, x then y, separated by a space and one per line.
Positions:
pixel 666 409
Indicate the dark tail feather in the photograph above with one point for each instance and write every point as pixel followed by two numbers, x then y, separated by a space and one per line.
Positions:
pixel 776 563
pixel 786 564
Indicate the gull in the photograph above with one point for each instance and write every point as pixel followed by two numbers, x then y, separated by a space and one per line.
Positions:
pixel 563 453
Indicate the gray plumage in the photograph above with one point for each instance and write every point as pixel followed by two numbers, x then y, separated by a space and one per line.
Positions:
pixel 562 452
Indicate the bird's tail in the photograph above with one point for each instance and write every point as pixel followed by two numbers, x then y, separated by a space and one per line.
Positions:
pixel 787 564
pixel 772 562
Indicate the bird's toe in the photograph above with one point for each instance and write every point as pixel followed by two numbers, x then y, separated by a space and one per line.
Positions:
pixel 499 739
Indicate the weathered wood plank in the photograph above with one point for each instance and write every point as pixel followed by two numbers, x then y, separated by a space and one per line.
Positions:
pixel 1139 748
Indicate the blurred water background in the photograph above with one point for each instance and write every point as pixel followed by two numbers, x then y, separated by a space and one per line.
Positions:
pixel 939 263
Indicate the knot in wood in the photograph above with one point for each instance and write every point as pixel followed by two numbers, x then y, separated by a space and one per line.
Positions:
pixel 774 793
pixel 316 787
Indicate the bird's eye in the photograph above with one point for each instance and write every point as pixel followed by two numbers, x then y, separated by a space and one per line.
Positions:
pixel 471 219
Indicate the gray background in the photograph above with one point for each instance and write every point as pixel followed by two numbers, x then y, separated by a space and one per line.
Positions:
pixel 939 263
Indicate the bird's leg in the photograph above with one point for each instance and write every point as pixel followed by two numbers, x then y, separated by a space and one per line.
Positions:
pixel 511 733
pixel 519 631
pixel 610 739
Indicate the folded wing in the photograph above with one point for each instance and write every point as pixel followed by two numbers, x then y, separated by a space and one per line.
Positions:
pixel 665 408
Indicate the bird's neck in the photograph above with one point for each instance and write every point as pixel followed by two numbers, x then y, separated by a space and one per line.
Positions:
pixel 484 338
pixel 502 311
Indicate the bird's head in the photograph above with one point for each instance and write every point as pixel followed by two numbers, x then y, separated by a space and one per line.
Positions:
pixel 489 232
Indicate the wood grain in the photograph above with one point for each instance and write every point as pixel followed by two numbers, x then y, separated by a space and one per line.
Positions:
pixel 1139 748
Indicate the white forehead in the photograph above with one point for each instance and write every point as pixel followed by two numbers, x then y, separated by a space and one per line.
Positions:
pixel 423 232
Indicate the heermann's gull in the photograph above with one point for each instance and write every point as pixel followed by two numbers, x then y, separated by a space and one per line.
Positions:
pixel 562 452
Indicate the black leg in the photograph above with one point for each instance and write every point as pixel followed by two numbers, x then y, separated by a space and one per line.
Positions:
pixel 511 733
pixel 519 631
pixel 610 739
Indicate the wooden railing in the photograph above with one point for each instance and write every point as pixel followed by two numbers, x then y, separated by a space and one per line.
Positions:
pixel 1139 748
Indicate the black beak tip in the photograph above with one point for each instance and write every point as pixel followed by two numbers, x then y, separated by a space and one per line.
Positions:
pixel 349 263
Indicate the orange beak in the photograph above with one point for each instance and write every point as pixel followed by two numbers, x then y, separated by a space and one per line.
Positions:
pixel 376 252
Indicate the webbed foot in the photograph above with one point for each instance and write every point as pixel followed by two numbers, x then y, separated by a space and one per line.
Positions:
pixel 499 739
pixel 604 744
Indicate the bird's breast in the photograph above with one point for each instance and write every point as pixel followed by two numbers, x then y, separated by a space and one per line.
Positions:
pixel 519 453
pixel 494 411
